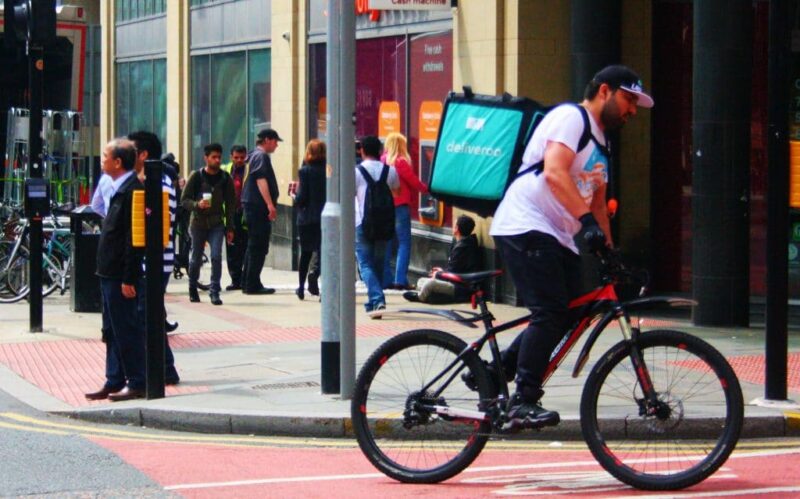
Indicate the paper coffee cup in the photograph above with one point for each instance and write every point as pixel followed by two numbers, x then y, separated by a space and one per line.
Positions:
pixel 206 196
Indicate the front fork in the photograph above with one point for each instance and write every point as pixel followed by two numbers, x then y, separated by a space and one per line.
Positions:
pixel 631 335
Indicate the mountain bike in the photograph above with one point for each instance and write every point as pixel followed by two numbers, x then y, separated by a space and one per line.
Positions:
pixel 660 410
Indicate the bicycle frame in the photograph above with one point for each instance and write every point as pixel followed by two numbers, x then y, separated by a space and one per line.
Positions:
pixel 601 303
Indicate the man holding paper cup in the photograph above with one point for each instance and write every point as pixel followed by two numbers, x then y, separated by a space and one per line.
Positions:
pixel 210 197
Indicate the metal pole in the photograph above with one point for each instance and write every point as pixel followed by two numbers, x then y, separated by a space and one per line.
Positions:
pixel 347 188
pixel 332 213
pixel 35 79
pixel 154 270
pixel 777 202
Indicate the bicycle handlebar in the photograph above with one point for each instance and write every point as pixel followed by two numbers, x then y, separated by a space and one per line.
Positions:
pixel 614 271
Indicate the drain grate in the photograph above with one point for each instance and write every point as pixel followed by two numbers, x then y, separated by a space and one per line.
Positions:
pixel 287 386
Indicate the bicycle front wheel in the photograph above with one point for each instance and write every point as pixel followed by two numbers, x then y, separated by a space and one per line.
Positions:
pixel 681 440
pixel 418 435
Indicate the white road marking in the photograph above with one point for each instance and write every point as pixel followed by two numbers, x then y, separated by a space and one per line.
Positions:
pixel 475 469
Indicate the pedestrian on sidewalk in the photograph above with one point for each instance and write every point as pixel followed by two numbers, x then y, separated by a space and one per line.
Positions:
pixel 309 199
pixel 259 201
pixel 119 266
pixel 465 257
pixel 209 194
pixel 396 155
pixel 374 218
pixel 235 250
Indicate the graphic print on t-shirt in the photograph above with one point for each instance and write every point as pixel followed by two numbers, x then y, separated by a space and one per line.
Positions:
pixel 593 175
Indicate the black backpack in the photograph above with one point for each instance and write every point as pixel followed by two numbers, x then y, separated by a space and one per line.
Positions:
pixel 378 222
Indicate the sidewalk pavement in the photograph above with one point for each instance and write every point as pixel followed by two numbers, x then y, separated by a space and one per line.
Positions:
pixel 252 366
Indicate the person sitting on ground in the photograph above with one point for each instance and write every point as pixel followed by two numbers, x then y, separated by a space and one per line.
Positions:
pixel 465 257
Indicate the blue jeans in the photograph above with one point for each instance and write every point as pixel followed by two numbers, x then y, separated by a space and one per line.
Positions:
pixel 214 236
pixel 370 256
pixel 402 239
pixel 125 356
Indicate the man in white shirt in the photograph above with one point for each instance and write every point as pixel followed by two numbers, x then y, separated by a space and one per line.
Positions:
pixel 371 253
pixel 541 212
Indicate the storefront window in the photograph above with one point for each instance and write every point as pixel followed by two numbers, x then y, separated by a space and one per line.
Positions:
pixel 200 108
pixel 141 97
pixel 382 75
pixel 259 83
pixel 230 99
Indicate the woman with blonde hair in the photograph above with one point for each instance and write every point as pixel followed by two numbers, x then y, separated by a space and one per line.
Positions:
pixel 309 199
pixel 396 154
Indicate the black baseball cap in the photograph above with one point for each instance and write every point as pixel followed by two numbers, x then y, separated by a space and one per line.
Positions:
pixel 619 76
pixel 269 133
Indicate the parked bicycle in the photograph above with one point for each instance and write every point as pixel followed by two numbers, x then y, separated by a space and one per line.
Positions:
pixel 660 410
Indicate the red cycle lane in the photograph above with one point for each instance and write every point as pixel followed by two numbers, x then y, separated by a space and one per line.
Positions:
pixel 218 471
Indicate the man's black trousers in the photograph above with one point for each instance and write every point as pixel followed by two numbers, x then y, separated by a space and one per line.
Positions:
pixel 259 231
pixel 547 277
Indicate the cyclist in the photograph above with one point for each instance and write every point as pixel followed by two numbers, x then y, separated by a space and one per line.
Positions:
pixel 536 222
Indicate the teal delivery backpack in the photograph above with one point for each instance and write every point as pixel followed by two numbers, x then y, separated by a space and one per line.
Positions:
pixel 479 148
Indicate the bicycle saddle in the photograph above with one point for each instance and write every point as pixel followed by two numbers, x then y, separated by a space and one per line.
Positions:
pixel 469 279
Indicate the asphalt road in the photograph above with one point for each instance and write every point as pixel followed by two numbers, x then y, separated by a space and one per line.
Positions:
pixel 55 457
pixel 51 462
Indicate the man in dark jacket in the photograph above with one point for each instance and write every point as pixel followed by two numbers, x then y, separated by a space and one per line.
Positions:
pixel 210 196
pixel 465 257
pixel 119 266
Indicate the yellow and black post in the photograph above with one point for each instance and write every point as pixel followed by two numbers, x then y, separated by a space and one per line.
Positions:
pixel 154 210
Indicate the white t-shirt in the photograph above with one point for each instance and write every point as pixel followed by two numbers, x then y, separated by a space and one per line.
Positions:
pixel 529 204
pixel 374 168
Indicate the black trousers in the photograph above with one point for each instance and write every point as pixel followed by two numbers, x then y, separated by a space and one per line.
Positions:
pixel 234 253
pixel 547 277
pixel 260 230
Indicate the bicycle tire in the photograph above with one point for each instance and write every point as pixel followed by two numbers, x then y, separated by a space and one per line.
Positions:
pixel 427 452
pixel 18 276
pixel 689 440
pixel 15 280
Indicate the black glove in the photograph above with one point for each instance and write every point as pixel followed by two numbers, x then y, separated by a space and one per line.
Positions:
pixel 593 235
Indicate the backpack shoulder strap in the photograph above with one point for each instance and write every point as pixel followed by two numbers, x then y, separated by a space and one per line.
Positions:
pixel 365 174
pixel 384 173
pixel 586 136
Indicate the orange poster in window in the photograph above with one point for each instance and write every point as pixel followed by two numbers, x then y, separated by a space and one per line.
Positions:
pixel 388 118
pixel 430 115
pixel 322 118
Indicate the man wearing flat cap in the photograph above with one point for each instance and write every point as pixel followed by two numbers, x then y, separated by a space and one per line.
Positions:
pixel 259 203
pixel 534 226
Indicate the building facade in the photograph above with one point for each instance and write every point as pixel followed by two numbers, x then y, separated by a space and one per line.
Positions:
pixel 219 70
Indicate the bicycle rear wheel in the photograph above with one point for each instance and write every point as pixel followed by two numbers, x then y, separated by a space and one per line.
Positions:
pixel 696 423
pixel 404 432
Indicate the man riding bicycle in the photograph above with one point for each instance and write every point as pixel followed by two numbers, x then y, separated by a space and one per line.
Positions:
pixel 534 226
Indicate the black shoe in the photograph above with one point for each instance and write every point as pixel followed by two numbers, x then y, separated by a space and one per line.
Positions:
pixel 262 291
pixel 194 297
pixel 233 287
pixel 170 326
pixel 172 381
pixel 215 300
pixel 300 294
pixel 527 414
pixel 313 285
pixel 412 296
pixel 377 312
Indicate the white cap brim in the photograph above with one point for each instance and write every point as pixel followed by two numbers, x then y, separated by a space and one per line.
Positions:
pixel 644 100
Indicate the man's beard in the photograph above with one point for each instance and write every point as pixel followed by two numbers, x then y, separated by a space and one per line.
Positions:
pixel 611 117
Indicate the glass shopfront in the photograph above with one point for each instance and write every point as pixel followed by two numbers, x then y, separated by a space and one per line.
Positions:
pixel 230 99
pixel 142 97
pixel 399 72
